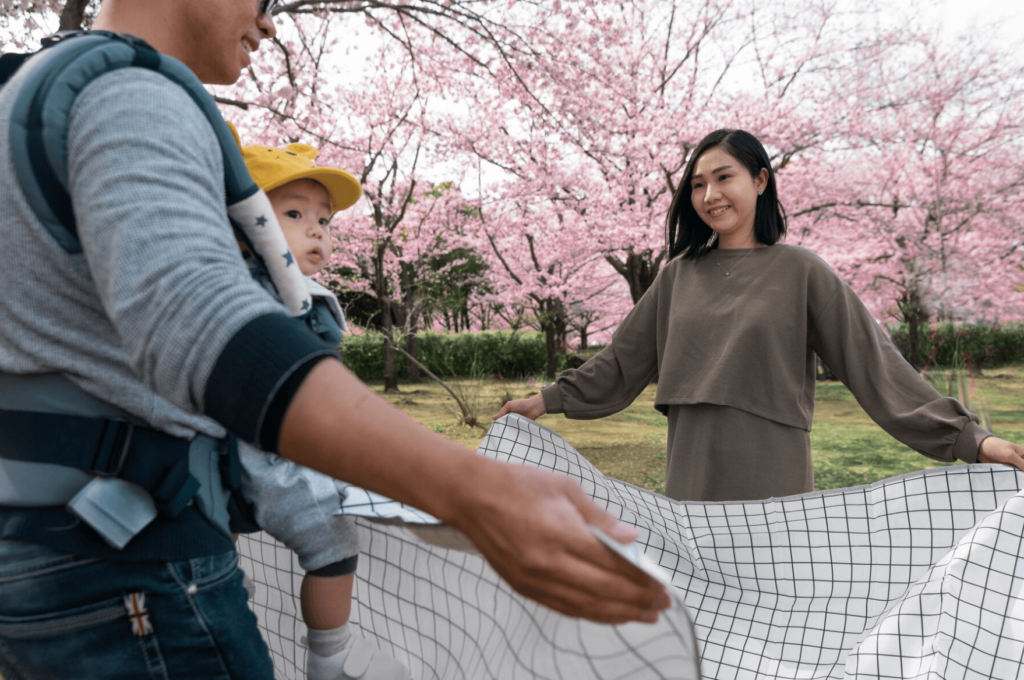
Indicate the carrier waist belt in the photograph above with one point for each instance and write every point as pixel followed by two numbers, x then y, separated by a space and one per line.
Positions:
pixel 103 447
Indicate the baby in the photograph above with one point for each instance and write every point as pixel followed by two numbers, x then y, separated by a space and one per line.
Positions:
pixel 292 503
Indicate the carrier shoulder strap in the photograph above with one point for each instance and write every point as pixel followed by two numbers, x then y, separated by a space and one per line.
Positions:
pixel 68 63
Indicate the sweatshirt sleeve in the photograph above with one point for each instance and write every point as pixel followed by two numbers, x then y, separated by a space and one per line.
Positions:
pixel 146 178
pixel 851 343
pixel 610 380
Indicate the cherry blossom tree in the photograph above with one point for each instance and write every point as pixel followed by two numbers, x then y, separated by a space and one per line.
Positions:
pixel 543 143
pixel 931 224
pixel 601 114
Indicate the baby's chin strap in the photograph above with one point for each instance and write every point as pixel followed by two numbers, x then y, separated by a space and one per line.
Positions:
pixel 255 219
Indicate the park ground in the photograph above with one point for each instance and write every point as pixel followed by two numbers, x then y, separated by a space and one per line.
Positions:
pixel 848 448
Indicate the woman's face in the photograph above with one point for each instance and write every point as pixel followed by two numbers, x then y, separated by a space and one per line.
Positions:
pixel 725 195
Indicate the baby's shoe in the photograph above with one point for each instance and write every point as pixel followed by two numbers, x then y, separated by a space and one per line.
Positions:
pixel 340 654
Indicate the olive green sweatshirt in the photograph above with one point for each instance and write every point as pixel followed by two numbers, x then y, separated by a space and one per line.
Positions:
pixel 747 340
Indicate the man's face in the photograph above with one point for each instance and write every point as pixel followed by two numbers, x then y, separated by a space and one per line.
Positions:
pixel 221 36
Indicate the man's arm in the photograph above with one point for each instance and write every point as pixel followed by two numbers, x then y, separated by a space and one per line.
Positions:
pixel 531 525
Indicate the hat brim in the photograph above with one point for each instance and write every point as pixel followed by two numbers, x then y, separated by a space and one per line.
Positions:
pixel 343 188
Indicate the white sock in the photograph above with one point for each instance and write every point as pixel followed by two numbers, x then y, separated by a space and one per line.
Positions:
pixel 329 642
pixel 329 651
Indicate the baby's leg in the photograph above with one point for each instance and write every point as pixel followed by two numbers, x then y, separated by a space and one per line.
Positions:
pixel 326 601
pixel 297 506
pixel 336 651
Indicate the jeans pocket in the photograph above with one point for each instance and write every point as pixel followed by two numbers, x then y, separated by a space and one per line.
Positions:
pixel 19 560
pixel 91 641
pixel 207 572
pixel 63 622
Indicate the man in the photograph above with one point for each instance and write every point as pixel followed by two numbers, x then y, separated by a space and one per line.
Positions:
pixel 157 321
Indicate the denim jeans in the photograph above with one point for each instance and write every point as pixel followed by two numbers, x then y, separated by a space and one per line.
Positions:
pixel 67 616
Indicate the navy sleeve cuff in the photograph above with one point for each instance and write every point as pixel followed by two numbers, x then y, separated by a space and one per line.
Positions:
pixel 257 374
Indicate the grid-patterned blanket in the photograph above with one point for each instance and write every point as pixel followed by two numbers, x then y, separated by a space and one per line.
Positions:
pixel 918 576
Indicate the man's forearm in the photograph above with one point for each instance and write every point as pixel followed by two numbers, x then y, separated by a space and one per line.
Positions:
pixel 336 425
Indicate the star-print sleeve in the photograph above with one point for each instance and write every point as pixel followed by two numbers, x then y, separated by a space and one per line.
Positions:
pixel 148 196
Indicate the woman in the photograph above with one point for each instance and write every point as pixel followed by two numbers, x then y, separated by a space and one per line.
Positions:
pixel 730 329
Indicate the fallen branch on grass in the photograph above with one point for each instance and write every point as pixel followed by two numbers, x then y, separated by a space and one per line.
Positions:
pixel 468 417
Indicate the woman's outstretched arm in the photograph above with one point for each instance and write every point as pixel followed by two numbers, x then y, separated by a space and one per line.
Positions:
pixel 851 343
pixel 610 380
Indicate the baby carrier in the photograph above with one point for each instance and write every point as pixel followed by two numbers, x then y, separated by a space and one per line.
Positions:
pixel 62 446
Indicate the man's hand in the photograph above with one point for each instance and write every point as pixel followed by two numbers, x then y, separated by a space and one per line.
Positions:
pixel 996 450
pixel 531 407
pixel 532 528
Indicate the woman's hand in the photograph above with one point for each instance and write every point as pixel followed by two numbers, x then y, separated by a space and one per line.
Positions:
pixel 996 450
pixel 531 407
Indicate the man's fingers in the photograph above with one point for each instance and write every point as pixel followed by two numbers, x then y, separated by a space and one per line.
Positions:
pixel 596 593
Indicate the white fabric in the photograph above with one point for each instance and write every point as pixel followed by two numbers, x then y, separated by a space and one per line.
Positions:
pixel 319 292
pixel 917 576
pixel 256 218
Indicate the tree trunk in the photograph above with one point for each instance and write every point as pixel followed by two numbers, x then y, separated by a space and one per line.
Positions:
pixel 583 338
pixel 390 370
pixel 639 270
pixel 412 345
pixel 549 346
pixel 553 323
pixel 72 17
pixel 914 313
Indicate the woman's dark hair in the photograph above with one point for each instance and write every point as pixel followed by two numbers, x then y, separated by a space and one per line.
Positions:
pixel 688 235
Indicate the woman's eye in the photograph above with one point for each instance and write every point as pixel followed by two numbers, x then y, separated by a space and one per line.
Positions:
pixel 697 185
pixel 294 214
pixel 722 178
pixel 324 221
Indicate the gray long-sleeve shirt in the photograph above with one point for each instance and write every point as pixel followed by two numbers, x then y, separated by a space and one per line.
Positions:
pixel 747 341
pixel 158 315
pixel 141 317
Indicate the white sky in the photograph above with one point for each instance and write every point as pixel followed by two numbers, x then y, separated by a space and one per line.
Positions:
pixel 1007 15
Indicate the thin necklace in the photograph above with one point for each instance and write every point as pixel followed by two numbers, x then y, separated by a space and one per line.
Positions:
pixel 734 266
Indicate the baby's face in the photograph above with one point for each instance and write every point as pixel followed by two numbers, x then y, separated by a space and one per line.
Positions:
pixel 303 208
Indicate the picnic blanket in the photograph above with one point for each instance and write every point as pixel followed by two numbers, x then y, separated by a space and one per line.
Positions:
pixel 917 576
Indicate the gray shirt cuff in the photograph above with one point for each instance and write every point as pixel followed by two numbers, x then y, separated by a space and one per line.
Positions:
pixel 968 443
pixel 552 399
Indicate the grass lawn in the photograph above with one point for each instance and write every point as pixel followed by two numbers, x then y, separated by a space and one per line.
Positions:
pixel 848 448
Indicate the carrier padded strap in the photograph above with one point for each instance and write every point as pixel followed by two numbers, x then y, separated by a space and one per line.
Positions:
pixel 42 113
pixel 155 461
pixel 58 439
pixel 10 63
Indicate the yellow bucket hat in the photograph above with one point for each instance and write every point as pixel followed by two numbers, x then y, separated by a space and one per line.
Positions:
pixel 272 167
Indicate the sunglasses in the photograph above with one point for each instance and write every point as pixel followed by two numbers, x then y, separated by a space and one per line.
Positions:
pixel 267 6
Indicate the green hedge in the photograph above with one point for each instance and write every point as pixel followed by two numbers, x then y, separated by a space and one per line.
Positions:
pixel 455 354
pixel 512 355
pixel 987 345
